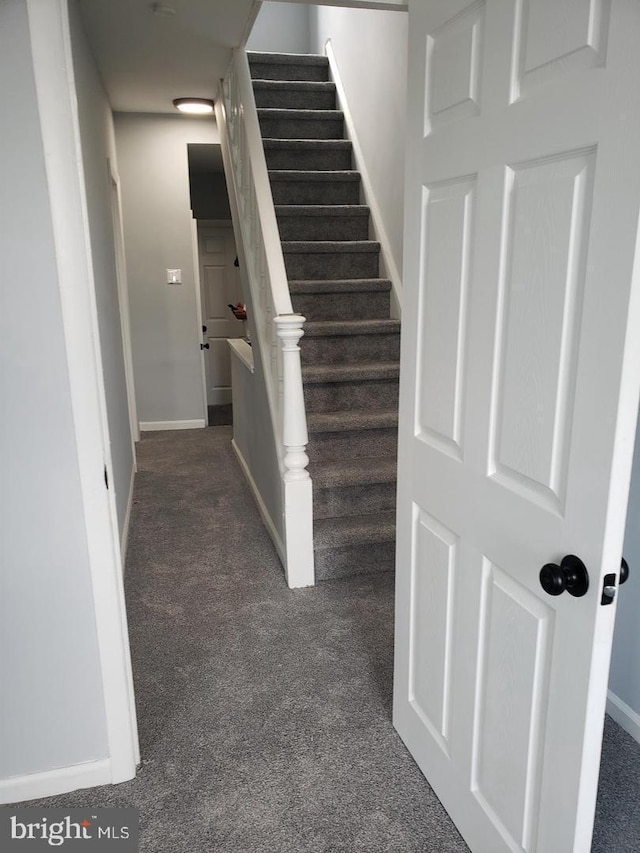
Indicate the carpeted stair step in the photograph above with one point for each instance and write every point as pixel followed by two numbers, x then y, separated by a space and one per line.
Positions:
pixel 352 434
pixel 355 298
pixel 307 259
pixel 291 186
pixel 323 221
pixel 337 341
pixel 294 94
pixel 308 154
pixel 287 66
pixel 301 124
pixel 331 387
pixel 354 545
pixel 355 487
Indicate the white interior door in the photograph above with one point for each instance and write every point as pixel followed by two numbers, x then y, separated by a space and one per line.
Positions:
pixel 519 392
pixel 219 287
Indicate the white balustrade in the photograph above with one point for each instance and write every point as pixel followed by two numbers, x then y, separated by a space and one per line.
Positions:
pixel 277 329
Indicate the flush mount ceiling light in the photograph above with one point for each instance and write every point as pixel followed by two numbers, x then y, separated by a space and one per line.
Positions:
pixel 196 106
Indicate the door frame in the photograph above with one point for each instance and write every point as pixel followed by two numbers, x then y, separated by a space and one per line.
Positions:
pixel 58 113
pixel 195 246
pixel 123 300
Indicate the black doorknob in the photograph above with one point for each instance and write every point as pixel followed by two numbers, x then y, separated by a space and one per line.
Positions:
pixel 204 329
pixel 624 571
pixel 571 575
pixel 204 346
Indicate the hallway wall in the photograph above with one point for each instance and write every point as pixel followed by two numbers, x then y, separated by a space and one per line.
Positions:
pixel 98 147
pixel 51 702
pixel 157 220
pixel 281 28
pixel 370 47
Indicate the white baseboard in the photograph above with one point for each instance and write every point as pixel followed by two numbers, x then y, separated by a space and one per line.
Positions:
pixel 624 715
pixel 387 262
pixel 124 538
pixel 264 512
pixel 33 786
pixel 153 426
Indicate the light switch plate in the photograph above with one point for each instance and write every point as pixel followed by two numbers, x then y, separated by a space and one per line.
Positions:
pixel 174 276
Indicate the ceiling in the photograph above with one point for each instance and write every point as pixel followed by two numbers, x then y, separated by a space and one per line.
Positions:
pixel 148 59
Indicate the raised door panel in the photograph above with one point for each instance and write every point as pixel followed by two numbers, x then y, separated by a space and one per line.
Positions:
pixel 432 625
pixel 454 56
pixel 447 227
pixel 547 211
pixel 555 37
pixel 515 641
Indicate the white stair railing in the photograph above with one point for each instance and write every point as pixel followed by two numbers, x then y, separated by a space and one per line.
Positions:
pixel 277 329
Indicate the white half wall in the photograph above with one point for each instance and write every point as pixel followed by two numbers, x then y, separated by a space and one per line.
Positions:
pixel 281 28
pixel 624 679
pixel 157 221
pixel 370 48
pixel 51 699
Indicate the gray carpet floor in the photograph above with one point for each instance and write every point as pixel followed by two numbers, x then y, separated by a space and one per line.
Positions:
pixel 265 714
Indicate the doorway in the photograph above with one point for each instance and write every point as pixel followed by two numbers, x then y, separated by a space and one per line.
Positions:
pixel 218 274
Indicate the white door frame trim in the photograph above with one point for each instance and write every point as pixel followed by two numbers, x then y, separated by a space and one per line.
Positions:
pixel 198 293
pixel 123 299
pixel 58 112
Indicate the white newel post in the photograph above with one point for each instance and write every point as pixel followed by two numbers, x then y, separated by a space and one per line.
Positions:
pixel 298 498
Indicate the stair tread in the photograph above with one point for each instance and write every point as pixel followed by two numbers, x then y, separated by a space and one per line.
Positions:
pixel 339 285
pixel 317 328
pixel 307 144
pixel 354 530
pixel 321 209
pixel 300 115
pixel 352 419
pixel 363 471
pixel 313 175
pixel 316 373
pixel 294 85
pixel 286 58
pixel 321 247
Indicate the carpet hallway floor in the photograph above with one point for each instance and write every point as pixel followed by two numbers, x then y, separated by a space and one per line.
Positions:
pixel 264 713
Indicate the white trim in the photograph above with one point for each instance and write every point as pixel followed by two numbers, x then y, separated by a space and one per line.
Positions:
pixel 387 262
pixel 243 351
pixel 264 512
pixel 624 715
pixel 62 780
pixel 123 301
pixel 215 223
pixel 58 113
pixel 378 5
pixel 124 539
pixel 195 246
pixel 155 426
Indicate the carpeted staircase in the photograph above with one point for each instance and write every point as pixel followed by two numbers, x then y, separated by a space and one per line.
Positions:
pixel 350 350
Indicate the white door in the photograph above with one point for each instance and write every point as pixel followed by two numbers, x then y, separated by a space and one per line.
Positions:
pixel 519 392
pixel 219 287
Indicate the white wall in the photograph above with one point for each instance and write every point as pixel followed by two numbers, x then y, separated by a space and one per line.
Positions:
pixel 257 447
pixel 98 146
pixel 371 52
pixel 154 174
pixel 624 680
pixel 281 28
pixel 51 703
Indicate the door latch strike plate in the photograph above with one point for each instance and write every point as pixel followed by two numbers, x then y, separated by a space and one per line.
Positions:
pixel 608 589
